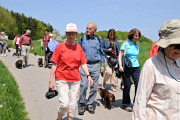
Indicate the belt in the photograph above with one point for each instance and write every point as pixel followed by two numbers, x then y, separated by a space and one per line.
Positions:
pixel 25 44
pixel 92 62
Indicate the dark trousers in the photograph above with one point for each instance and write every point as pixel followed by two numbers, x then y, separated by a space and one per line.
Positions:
pixel 17 49
pixel 134 72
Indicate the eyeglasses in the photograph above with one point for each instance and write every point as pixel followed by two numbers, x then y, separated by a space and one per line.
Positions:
pixel 70 34
pixel 175 46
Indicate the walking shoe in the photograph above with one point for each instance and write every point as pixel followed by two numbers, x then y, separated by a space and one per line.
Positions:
pixel 113 89
pixel 1 55
pixel 90 109
pixel 128 109
pixel 4 55
pixel 81 110
pixel 103 85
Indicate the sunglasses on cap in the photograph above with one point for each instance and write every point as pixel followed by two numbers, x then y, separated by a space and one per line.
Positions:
pixel 175 46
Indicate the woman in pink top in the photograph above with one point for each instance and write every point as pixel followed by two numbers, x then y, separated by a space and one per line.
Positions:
pixel 158 93
pixel 67 58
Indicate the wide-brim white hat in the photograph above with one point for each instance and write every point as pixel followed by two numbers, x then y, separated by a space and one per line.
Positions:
pixel 170 33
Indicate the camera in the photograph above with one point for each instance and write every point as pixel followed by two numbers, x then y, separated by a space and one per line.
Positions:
pixel 51 93
pixel 102 74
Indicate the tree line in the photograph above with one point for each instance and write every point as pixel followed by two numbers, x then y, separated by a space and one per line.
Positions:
pixel 13 23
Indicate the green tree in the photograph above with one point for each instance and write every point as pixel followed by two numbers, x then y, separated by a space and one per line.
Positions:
pixel 7 23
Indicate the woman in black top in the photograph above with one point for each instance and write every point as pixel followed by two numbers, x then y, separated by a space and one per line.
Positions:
pixel 111 48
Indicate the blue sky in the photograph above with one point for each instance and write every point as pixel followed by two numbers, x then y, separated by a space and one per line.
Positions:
pixel 123 15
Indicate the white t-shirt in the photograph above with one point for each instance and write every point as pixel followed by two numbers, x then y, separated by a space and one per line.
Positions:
pixel 17 42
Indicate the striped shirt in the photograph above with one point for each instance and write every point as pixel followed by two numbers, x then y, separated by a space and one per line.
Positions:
pixel 92 48
pixel 158 94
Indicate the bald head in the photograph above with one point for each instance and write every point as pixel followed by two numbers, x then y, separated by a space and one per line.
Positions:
pixel 90 29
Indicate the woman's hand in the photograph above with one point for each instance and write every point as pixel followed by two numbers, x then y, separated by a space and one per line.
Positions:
pixel 51 84
pixel 110 49
pixel 121 69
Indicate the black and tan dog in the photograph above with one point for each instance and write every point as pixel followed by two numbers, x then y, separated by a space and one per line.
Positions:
pixel 35 53
pixel 40 62
pixel 19 63
pixel 107 97
pixel 16 54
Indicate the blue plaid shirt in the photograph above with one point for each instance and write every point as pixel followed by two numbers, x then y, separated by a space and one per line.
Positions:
pixel 92 48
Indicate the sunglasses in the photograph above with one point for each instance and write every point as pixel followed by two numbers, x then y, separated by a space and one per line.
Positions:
pixel 175 46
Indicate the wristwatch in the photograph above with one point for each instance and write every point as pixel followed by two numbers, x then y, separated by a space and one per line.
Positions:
pixel 88 76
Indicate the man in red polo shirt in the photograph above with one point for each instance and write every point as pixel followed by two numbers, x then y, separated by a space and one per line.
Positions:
pixel 45 40
pixel 25 42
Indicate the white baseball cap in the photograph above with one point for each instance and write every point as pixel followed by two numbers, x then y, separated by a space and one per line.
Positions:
pixel 71 27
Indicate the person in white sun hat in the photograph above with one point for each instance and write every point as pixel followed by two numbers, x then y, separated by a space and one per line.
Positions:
pixel 158 93
pixel 68 56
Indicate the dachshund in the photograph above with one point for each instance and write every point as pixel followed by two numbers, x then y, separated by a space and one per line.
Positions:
pixel 40 62
pixel 16 54
pixel 107 97
pixel 19 63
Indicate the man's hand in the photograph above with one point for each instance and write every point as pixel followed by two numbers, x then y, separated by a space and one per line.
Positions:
pixel 90 81
pixel 102 68
pixel 32 48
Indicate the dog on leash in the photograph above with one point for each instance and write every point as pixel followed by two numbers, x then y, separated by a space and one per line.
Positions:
pixel 107 97
pixel 40 62
pixel 16 54
pixel 19 63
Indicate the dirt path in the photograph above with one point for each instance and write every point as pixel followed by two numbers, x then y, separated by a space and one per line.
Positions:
pixel 33 84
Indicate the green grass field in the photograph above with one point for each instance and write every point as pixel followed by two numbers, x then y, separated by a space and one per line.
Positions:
pixel 11 103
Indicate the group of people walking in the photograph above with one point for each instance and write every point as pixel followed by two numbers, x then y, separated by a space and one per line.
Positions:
pixel 72 82
pixel 76 67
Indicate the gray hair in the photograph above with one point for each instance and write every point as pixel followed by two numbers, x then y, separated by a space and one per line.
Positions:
pixel 95 26
pixel 53 36
pixel 28 31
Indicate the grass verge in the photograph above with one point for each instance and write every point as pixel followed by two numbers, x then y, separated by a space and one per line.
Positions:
pixel 11 103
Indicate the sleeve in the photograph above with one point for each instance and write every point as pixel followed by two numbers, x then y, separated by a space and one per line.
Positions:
pixel 79 41
pixel 118 47
pixel 31 42
pixel 145 86
pixel 14 40
pixel 101 52
pixel 103 46
pixel 56 55
pixel 83 57
pixel 152 50
pixel 20 41
pixel 123 46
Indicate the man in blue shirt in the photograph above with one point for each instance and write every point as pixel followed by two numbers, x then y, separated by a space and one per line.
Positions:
pixel 92 48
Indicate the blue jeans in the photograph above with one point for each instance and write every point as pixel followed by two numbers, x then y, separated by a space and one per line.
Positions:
pixel 94 72
pixel 134 72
